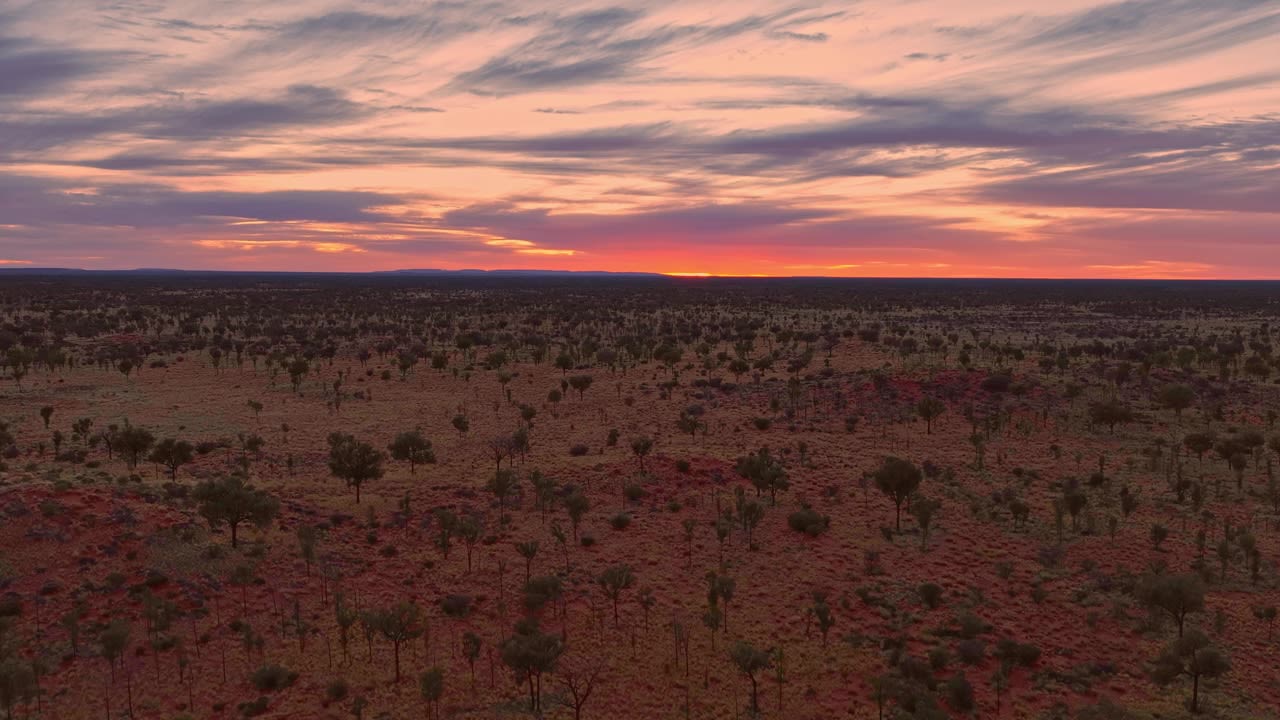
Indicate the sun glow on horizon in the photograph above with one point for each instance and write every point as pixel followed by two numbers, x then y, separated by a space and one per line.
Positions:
pixel 752 139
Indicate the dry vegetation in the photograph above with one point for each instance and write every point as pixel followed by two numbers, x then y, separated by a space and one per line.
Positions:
pixel 245 496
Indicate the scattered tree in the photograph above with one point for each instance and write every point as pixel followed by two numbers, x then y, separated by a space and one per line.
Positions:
pixel 898 480
pixel 230 501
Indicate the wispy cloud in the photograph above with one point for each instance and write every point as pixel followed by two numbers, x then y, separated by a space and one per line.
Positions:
pixel 765 136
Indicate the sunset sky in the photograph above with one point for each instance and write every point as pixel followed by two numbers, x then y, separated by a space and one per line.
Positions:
pixel 906 138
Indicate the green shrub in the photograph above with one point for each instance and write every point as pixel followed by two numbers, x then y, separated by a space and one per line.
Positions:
pixel 959 693
pixel 336 691
pixel 930 595
pixel 808 521
pixel 971 651
pixel 456 605
pixel 270 678
pixel 255 708
pixel 541 590
pixel 939 658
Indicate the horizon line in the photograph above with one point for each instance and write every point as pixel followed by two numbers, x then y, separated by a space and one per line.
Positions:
pixel 409 272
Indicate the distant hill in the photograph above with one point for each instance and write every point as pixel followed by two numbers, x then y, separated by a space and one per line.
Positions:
pixel 515 273
pixel 409 272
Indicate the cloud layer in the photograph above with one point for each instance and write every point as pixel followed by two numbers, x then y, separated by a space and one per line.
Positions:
pixel 1138 138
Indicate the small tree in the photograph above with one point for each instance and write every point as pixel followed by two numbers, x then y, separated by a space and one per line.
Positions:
pixel 413 448
pixel 1158 535
pixel 46 414
pixel 500 447
pixel 764 473
pixel 720 587
pixel 471 651
pixel 70 621
pixel 353 461
pixel 399 624
pixel 821 613
pixel 1199 443
pixel 576 505
pixel 172 454
pixel 18 684
pixel 1110 413
pixel 959 693
pixel 641 447
pixel 297 369
pixel 531 653
pixel 1075 500
pixel 114 639
pixel 133 442
pixel 1267 614
pixel 923 509
pixel 346 617
pixel 613 581
pixel 470 529
pixel 1128 502
pixel 461 424
pixel 1177 398
pixel 578 684
pixel 1177 595
pixel 897 479
pixel 503 484
pixel 1000 683
pixel 431 683
pixel 751 514
pixel 929 410
pixel 580 383
pixel 711 620
pixel 528 550
pixel 750 661
pixel 308 540
pixel 687 423
pixel 1191 655
pixel 446 526
pixel 231 502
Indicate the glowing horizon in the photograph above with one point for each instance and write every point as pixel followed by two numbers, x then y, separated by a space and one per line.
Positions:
pixel 1124 139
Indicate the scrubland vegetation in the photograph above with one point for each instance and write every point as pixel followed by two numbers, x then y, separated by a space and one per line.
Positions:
pixel 275 496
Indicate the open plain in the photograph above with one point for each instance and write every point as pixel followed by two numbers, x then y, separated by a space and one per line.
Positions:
pixel 303 496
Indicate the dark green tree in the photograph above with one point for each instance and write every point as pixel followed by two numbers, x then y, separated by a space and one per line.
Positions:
pixel 353 462
pixel 898 480
pixel 399 624
pixel 133 442
pixel 1177 397
pixel 431 684
pixel 1192 656
pixel 764 473
pixel 641 447
pixel 229 501
pixel 749 662
pixel 929 410
pixel 613 581
pixel 1177 595
pixel 172 454
pixel 413 448
pixel 531 653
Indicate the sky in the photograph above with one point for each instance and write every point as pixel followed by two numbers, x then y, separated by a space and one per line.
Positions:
pixel 989 138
